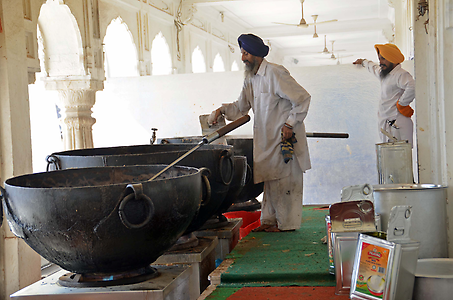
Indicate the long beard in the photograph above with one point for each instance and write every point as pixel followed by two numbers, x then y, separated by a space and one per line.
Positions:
pixel 385 72
pixel 251 69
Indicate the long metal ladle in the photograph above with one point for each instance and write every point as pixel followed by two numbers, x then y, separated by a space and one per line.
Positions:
pixel 206 140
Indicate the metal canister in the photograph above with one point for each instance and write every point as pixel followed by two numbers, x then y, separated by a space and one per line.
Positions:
pixel 347 220
pixel 394 162
pixel 385 263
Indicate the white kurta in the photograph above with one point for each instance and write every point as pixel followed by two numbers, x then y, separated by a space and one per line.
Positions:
pixel 397 85
pixel 275 99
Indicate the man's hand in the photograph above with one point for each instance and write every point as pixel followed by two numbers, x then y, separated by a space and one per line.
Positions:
pixel 287 132
pixel 358 61
pixel 212 119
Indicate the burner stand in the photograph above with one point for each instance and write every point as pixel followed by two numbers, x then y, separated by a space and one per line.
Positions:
pixel 172 283
pixel 107 279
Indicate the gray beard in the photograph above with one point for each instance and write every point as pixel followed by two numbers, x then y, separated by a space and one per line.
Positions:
pixel 250 70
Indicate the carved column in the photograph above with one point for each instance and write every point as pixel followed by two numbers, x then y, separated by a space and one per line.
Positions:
pixel 78 122
pixel 77 98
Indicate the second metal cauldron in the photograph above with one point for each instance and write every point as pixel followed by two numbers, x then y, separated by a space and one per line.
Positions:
pixel 102 220
pixel 242 146
pixel 216 158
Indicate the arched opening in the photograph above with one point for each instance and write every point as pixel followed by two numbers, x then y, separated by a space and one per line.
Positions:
pixel 63 43
pixel 218 65
pixel 160 56
pixel 120 58
pixel 234 66
pixel 198 63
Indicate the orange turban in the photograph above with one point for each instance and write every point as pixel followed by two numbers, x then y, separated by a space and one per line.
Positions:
pixel 390 52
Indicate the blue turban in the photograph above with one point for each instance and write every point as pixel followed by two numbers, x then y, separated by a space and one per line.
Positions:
pixel 253 45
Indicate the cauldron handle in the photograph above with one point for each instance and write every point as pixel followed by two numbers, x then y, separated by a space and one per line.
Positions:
pixel 249 171
pixel 207 184
pixel 226 154
pixel 137 194
pixel 53 160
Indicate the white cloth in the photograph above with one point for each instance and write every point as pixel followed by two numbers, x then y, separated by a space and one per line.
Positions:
pixel 404 131
pixel 275 98
pixel 397 85
pixel 283 200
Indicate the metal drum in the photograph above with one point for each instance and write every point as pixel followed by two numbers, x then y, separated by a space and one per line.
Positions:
pixel 102 220
pixel 428 201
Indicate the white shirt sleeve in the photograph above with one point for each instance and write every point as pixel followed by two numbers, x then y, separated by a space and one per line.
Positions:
pixel 288 88
pixel 372 67
pixel 240 107
pixel 407 83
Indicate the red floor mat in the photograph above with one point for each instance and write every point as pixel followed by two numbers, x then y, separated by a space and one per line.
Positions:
pixel 287 293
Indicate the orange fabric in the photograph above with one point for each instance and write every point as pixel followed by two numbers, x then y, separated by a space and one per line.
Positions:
pixel 406 111
pixel 390 52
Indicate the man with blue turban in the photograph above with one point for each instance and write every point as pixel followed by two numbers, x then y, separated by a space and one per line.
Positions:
pixel 397 92
pixel 280 150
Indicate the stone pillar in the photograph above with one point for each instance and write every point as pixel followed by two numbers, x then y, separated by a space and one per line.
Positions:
pixel 19 264
pixel 78 122
pixel 77 98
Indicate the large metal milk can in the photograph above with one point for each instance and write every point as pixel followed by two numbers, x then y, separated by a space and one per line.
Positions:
pixel 394 162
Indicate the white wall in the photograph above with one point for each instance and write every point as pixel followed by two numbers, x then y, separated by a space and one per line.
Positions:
pixel 344 99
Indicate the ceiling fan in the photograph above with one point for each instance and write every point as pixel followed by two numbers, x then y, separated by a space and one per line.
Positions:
pixel 338 58
pixel 304 24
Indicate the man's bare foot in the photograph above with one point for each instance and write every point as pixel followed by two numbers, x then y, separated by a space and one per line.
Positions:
pixel 276 229
pixel 262 228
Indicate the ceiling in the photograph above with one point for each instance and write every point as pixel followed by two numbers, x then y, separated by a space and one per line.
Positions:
pixel 360 25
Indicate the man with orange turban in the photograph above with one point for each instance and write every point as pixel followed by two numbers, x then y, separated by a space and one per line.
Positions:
pixel 397 92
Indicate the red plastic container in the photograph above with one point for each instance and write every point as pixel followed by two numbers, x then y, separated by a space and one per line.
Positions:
pixel 250 220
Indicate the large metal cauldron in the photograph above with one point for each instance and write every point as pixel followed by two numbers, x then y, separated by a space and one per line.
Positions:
pixel 242 146
pixel 102 220
pixel 216 158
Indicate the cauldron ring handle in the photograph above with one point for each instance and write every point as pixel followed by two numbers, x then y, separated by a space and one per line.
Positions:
pixel 249 171
pixel 53 160
pixel 205 202
pixel 138 194
pixel 230 160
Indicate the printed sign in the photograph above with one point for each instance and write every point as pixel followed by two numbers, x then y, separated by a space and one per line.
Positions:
pixel 372 271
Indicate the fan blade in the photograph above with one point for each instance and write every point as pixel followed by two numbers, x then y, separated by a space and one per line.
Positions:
pixel 329 21
pixel 317 23
pixel 297 25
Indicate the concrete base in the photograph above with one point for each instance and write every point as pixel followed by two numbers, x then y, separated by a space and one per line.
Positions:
pixel 201 258
pixel 228 237
pixel 172 283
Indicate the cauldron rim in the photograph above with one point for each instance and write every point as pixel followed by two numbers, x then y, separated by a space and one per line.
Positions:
pixel 10 181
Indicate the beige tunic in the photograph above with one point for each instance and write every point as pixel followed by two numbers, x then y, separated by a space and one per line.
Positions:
pixel 275 98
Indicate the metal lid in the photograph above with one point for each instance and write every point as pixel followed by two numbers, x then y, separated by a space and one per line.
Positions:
pixel 406 186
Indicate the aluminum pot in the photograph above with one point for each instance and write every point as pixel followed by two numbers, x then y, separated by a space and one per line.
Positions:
pixel 102 220
pixel 217 159
pixel 428 201
pixel 433 279
pixel 242 146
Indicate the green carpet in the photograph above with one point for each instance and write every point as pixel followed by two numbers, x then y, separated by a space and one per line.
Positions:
pixel 296 258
